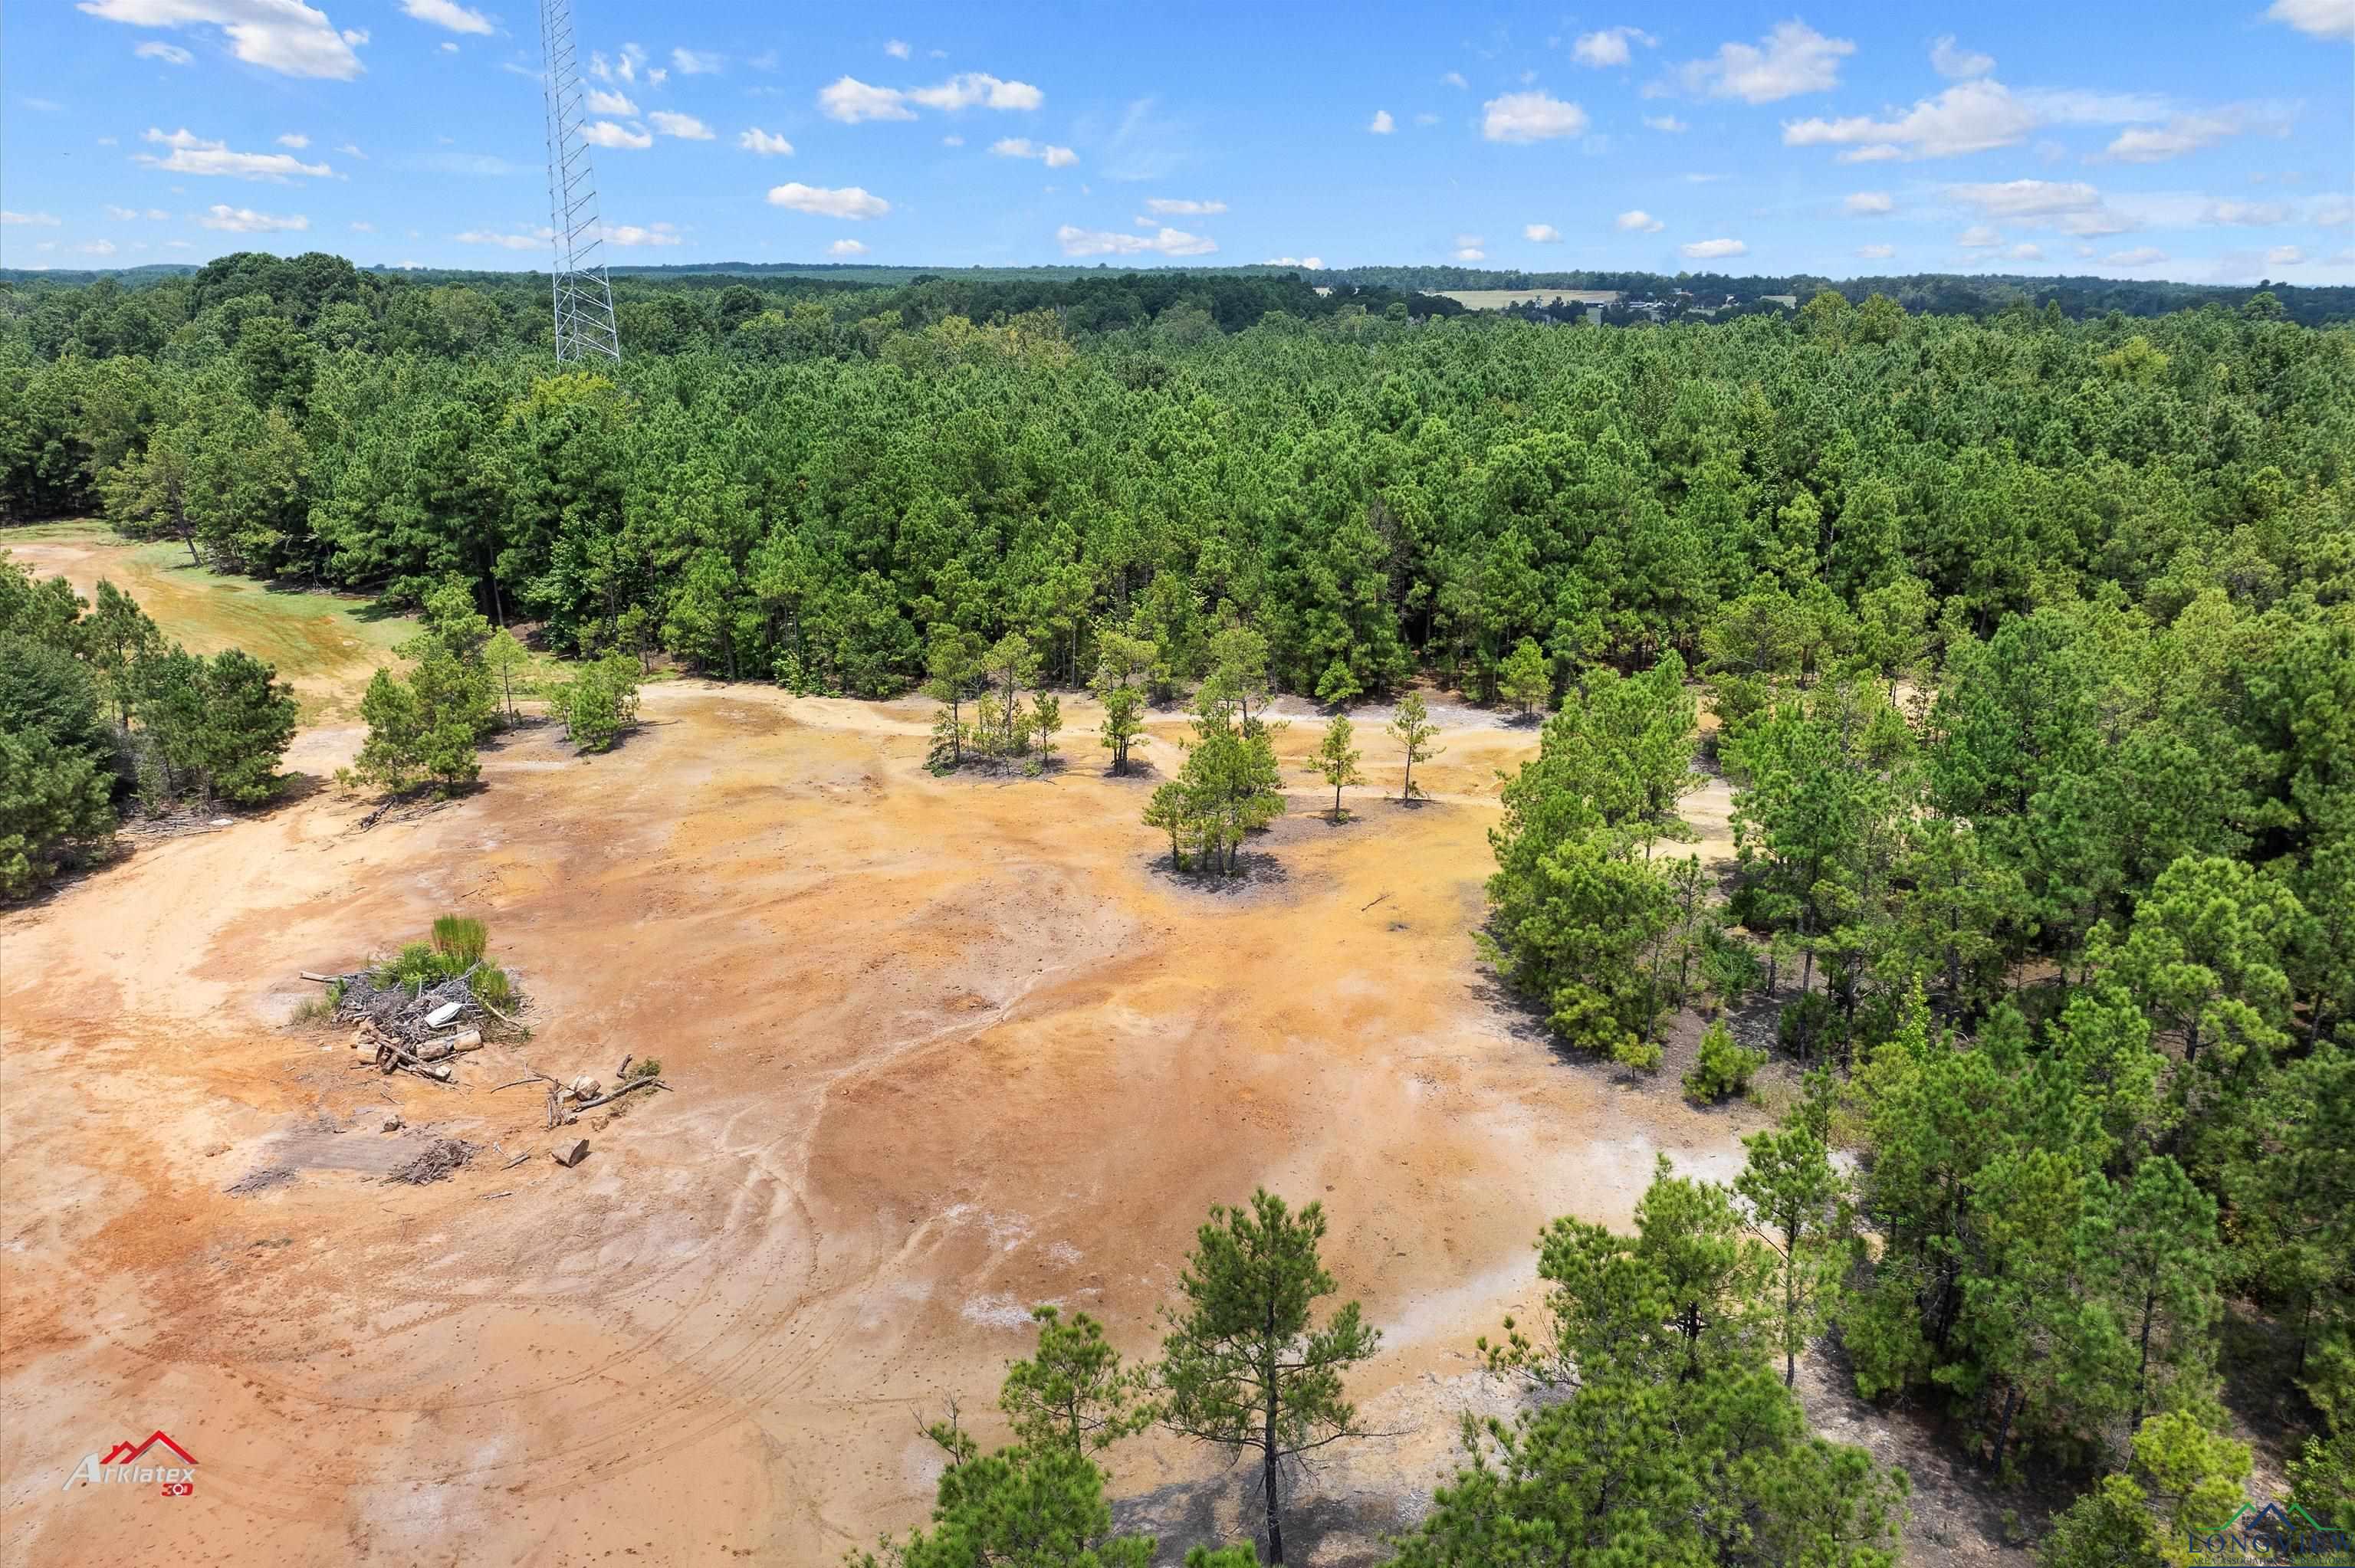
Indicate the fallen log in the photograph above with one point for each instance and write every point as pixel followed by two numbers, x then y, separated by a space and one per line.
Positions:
pixel 617 1094
pixel 623 1070
pixel 515 1162
pixel 323 980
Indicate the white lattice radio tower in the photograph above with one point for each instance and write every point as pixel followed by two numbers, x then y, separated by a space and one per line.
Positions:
pixel 583 298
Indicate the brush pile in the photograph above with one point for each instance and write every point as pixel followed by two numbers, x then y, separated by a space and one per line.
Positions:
pixel 432 1001
pixel 435 1161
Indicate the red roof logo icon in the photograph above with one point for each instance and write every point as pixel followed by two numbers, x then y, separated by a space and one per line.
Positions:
pixel 125 1453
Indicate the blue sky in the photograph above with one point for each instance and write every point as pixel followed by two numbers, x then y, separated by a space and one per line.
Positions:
pixel 2210 142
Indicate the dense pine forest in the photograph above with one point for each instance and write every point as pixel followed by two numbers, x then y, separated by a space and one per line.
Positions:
pixel 2028 643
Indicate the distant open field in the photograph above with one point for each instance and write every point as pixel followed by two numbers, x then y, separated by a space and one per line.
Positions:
pixel 1502 299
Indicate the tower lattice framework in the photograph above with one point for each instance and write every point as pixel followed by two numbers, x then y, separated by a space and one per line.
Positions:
pixel 583 298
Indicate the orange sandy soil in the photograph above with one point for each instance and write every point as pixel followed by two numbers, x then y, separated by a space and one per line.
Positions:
pixel 942 1048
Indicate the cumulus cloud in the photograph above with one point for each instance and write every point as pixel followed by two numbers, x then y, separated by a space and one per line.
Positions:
pixel 1382 124
pixel 192 154
pixel 126 214
pixel 2026 253
pixel 1956 64
pixel 846 247
pixel 2180 135
pixel 1177 206
pixel 850 201
pixel 1639 221
pixel 606 133
pixel 685 127
pixel 32 219
pixel 1969 117
pixel 852 100
pixel 761 142
pixel 1868 204
pixel 1978 237
pixel 1314 263
pixel 2140 256
pixel 631 234
pixel 2245 214
pixel 245 220
pixel 285 35
pixel 1609 46
pixel 898 49
pixel 448 14
pixel 1451 78
pixel 97 248
pixel 1875 252
pixel 1712 249
pixel 2071 207
pixel 1533 116
pixel 295 140
pixel 1790 60
pixel 1543 234
pixel 1668 123
pixel 601 102
pixel 2285 256
pixel 1111 242
pixel 170 54
pixel 361 226
pixel 1022 147
pixel 697 62
pixel 2321 19
pixel 505 241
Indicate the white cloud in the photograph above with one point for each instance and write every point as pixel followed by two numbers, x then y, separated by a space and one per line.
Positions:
pixel 846 248
pixel 1534 116
pixel 852 100
pixel 1875 252
pixel 1609 45
pixel 2140 256
pixel 2026 253
pixel 97 248
pixel 850 201
pixel 1543 234
pixel 1668 123
pixel 1969 117
pixel 35 219
pixel 2246 213
pixel 1382 124
pixel 128 214
pixel 2182 133
pixel 761 142
pixel 360 226
pixel 1168 207
pixel 245 220
pixel 684 127
pixel 192 154
pixel 1712 249
pixel 505 241
pixel 295 140
pixel 1958 64
pixel 2285 256
pixel 285 35
pixel 2071 207
pixel 1639 221
pixel 1022 147
pixel 697 62
pixel 952 141
pixel 605 133
pixel 1978 237
pixel 1111 242
pixel 1312 263
pixel 1868 204
pixel 448 14
pixel 602 102
pixel 170 54
pixel 350 150
pixel 1470 253
pixel 978 90
pixel 2322 18
pixel 898 49
pixel 1451 78
pixel 2332 212
pixel 1790 60
pixel 631 234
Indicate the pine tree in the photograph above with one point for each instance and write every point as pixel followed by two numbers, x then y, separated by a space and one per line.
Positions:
pixel 1412 729
pixel 1523 679
pixel 1244 1366
pixel 506 658
pixel 1337 760
pixel 1797 1204
pixel 1073 1391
